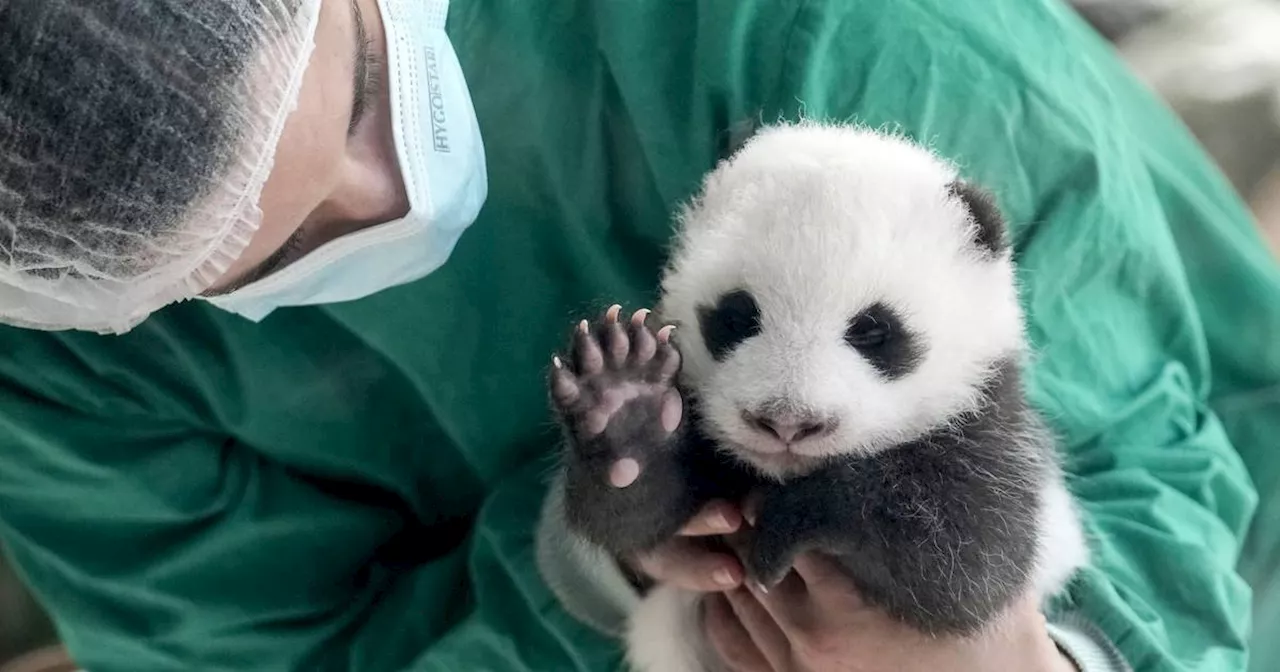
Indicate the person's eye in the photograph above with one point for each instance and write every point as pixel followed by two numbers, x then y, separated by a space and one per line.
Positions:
pixel 368 72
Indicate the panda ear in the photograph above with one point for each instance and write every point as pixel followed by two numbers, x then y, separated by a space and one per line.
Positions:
pixel 990 232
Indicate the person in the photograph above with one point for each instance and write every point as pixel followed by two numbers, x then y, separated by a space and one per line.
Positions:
pixel 252 419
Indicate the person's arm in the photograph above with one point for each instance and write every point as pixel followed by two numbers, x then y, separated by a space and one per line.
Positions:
pixel 161 548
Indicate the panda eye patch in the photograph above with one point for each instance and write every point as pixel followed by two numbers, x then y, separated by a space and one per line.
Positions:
pixel 865 331
pixel 734 319
pixel 879 335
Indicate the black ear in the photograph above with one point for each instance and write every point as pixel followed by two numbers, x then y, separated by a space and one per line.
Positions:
pixel 991 234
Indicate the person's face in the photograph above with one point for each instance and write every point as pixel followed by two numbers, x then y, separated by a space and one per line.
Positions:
pixel 335 167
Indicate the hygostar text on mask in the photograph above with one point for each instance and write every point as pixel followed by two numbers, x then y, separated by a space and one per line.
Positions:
pixel 439 133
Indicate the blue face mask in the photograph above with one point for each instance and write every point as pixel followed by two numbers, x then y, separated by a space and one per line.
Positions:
pixel 442 161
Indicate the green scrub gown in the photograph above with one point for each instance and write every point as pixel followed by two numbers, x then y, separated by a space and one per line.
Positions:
pixel 357 486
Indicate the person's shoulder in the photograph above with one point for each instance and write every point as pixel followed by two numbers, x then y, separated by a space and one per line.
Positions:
pixel 83 374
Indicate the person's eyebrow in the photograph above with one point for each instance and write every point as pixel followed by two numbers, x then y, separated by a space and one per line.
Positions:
pixel 361 86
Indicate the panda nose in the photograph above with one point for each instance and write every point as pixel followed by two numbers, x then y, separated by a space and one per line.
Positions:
pixel 791 428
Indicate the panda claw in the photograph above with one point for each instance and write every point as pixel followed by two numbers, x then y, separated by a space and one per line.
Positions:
pixel 643 343
pixel 617 343
pixel 564 389
pixel 588 358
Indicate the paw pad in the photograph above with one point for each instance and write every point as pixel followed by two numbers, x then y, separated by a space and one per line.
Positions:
pixel 619 370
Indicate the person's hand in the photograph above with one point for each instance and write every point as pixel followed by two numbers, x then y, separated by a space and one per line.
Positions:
pixel 686 561
pixel 815 621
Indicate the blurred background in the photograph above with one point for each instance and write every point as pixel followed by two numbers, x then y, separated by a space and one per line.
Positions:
pixel 1217 64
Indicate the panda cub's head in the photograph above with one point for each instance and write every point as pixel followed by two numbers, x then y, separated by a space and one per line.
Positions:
pixel 838 291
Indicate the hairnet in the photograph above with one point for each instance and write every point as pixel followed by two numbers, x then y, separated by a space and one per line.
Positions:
pixel 135 138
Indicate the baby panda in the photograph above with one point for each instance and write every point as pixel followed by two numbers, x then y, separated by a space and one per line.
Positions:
pixel 846 352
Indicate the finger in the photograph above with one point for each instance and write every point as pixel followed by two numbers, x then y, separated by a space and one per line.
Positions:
pixel 587 357
pixel 685 564
pixel 643 342
pixel 731 642
pixel 825 579
pixel 615 338
pixel 594 421
pixel 667 356
pixel 764 631
pixel 564 389
pixel 789 603
pixel 671 411
pixel 717 517
pixel 751 506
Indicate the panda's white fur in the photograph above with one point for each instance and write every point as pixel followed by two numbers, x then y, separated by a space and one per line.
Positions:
pixel 819 221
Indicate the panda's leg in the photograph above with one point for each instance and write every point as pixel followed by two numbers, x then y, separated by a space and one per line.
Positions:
pixel 627 480
pixel 666 635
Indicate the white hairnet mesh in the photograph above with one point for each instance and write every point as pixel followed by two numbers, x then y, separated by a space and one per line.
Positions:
pixel 135 138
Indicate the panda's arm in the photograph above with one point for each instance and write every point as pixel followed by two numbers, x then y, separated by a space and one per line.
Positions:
pixel 586 573
pixel 586 579
pixel 615 397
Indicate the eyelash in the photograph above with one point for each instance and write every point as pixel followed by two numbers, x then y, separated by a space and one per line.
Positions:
pixel 287 254
pixel 368 84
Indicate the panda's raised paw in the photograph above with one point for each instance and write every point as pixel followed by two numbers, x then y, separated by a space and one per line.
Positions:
pixel 615 392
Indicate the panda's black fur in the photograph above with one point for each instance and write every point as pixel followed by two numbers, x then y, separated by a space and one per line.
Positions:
pixel 942 529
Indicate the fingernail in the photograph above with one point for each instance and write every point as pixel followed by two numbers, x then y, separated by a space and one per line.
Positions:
pixel 720 522
pixel 760 587
pixel 722 577
pixel 557 363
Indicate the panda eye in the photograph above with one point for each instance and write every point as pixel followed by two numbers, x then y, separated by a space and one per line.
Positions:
pixel 734 319
pixel 865 332
pixel 880 337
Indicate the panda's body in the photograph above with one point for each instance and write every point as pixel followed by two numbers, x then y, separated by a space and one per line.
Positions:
pixel 849 352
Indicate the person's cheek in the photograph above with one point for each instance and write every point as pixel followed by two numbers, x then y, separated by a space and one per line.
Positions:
pixel 307 161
